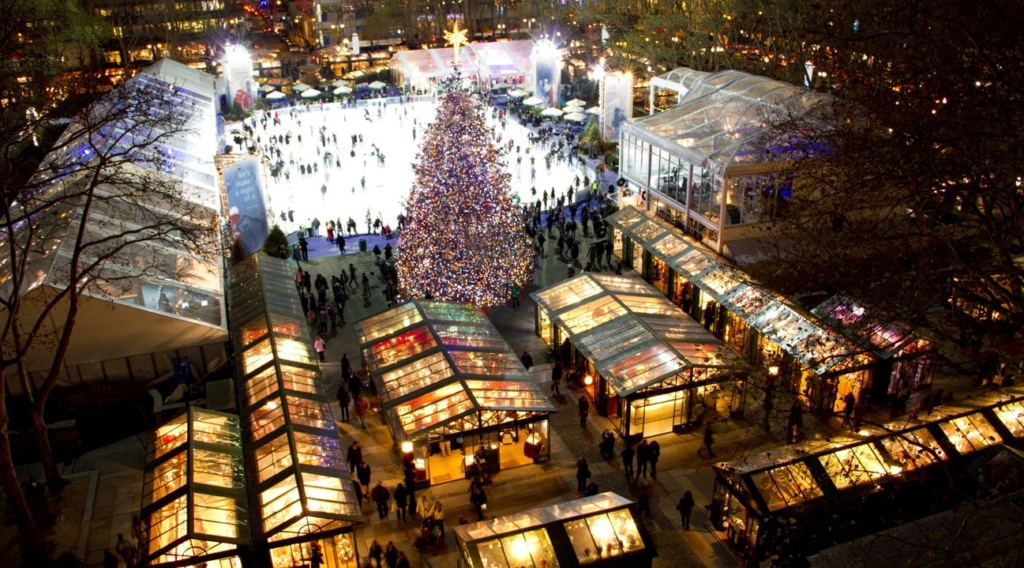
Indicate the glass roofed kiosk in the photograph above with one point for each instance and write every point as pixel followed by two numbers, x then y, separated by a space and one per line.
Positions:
pixel 793 348
pixel 645 364
pixel 453 390
pixel 601 530
pixel 756 500
pixel 300 485
pixel 194 508
pixel 483 62
pixel 706 161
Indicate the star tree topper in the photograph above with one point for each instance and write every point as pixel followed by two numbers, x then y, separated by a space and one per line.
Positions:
pixel 456 38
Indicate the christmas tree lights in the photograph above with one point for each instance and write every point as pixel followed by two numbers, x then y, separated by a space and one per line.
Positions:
pixel 464 240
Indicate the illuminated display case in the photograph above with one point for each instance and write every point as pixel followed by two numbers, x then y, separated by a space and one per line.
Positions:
pixel 788 482
pixel 194 505
pixel 651 366
pixel 445 377
pixel 301 486
pixel 601 530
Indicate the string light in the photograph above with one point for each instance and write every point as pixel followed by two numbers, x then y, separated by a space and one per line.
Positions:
pixel 464 241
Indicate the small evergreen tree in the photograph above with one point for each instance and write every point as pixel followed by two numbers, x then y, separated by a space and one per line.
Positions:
pixel 238 252
pixel 276 243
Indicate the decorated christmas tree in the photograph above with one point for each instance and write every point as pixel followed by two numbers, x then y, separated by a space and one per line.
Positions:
pixel 464 240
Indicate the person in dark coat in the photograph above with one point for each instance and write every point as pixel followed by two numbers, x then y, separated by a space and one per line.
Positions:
pixel 582 475
pixel 685 508
pixel 653 453
pixel 643 454
pixel 527 360
pixel 627 460
pixel 354 455
pixel 607 445
pixel 363 473
pixel 556 377
pixel 584 405
pixel 390 554
pixel 343 401
pixel 401 501
pixel 479 500
pixel 380 496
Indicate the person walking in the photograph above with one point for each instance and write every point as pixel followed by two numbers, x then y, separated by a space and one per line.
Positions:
pixel 363 473
pixel 401 500
pixel 709 438
pixel 643 454
pixel 344 399
pixel 515 295
pixel 584 406
pixel 319 346
pixel 849 403
pixel 627 460
pixel 127 550
pixel 556 378
pixel 354 455
pixel 380 496
pixel 361 406
pixel 653 453
pixel 478 497
pixel 685 508
pixel 582 475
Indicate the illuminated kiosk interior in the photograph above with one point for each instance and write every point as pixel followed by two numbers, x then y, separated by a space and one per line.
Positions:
pixel 601 530
pixel 194 508
pixel 447 378
pixel 484 62
pixel 904 358
pixel 301 486
pixel 798 352
pixel 847 476
pixel 647 365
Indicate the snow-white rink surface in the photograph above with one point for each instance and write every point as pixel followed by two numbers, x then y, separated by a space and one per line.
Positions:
pixel 388 184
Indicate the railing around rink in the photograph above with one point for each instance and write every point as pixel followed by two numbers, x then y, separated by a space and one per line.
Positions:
pixel 315 106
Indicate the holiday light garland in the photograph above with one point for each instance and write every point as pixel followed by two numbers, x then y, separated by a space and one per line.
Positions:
pixel 464 238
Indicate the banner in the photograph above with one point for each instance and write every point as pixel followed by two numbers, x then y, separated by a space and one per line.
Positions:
pixel 243 184
pixel 238 70
pixel 616 104
pixel 547 73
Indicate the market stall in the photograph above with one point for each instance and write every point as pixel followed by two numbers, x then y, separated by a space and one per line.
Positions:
pixel 451 386
pixel 906 357
pixel 194 509
pixel 302 496
pixel 859 476
pixel 790 345
pixel 482 62
pixel 644 363
pixel 602 530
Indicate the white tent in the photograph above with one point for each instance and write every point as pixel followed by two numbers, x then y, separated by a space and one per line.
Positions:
pixel 552 112
pixel 533 101
pixel 572 108
pixel 340 83
pixel 594 110
pixel 342 90
pixel 299 87
pixel 377 85
pixel 268 88
pixel 576 117
pixel 517 93
pixel 276 95
pixel 311 94
pixel 577 102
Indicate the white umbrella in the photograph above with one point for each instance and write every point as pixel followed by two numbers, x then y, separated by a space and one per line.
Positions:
pixel 311 94
pixel 594 110
pixel 577 102
pixel 575 117
pixel 572 108
pixel 517 93
pixel 276 95
pixel 377 85
pixel 551 112
pixel 299 87
pixel 268 88
pixel 340 83
pixel 533 101
pixel 342 90
pixel 501 86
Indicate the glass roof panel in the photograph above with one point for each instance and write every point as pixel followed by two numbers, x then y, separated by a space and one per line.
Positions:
pixel 1012 415
pixel 412 378
pixel 624 284
pixel 693 262
pixel 854 466
pixel 436 407
pixel 613 340
pixel 722 280
pixel 647 230
pixel 670 245
pixel 450 311
pixel 389 322
pixel 500 364
pixel 679 330
pixel 591 315
pixel 509 395
pixel 567 293
pixel 659 305
pixel 398 349
pixel 643 368
pixel 970 433
pixel 708 354
pixel 478 336
pixel 627 217
pixel 908 452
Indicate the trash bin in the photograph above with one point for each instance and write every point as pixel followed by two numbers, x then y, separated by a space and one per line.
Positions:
pixel 362 245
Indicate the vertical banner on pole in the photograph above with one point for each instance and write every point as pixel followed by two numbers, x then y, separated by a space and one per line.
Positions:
pixel 616 103
pixel 547 72
pixel 247 209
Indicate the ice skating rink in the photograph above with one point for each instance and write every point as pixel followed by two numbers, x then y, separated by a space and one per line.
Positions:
pixel 364 182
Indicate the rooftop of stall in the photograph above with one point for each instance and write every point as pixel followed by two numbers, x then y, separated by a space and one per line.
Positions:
pixel 812 344
pixel 440 364
pixel 301 482
pixel 632 334
pixel 886 338
pixel 194 504
pixel 567 534
pixel 787 476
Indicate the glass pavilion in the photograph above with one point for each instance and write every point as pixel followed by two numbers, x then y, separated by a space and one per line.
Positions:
pixel 484 62
pixel 791 345
pixel 194 507
pixel 601 530
pixel 447 379
pixel 706 161
pixel 301 486
pixel 752 497
pixel 644 363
